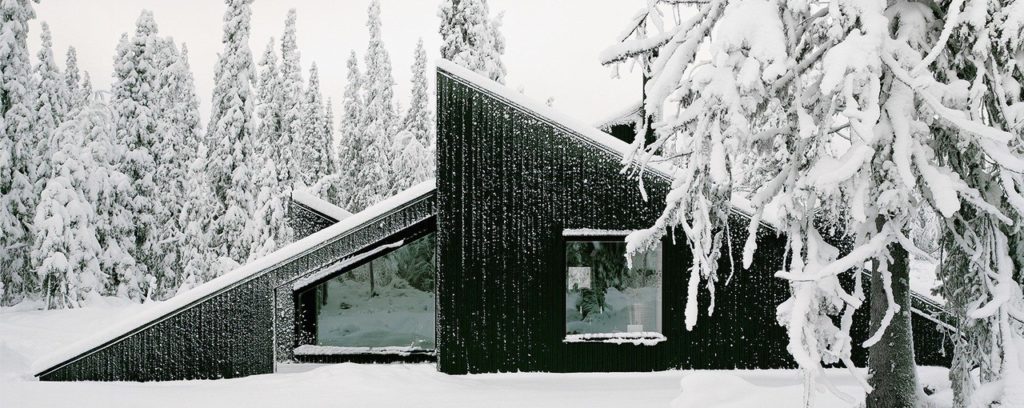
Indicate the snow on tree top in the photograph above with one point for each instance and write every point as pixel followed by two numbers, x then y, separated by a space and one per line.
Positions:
pixel 320 205
pixel 178 303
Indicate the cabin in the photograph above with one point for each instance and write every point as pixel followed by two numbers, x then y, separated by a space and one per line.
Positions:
pixel 511 260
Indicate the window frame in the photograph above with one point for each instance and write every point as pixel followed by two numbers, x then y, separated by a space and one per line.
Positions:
pixel 644 338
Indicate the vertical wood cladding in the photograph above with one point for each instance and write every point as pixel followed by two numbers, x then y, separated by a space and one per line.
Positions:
pixel 231 333
pixel 509 182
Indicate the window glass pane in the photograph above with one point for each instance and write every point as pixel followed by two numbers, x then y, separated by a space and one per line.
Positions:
pixel 605 295
pixel 386 302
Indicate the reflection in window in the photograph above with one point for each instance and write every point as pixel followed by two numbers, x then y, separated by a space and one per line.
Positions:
pixel 605 295
pixel 388 302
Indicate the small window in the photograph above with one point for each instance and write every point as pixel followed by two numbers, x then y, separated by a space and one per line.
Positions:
pixel 608 299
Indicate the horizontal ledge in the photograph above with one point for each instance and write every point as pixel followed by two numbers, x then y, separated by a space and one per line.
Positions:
pixel 315 350
pixel 594 232
pixel 634 338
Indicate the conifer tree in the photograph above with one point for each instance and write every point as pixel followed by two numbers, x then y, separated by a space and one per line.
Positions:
pixel 314 145
pixel 471 39
pixel 136 105
pixel 291 104
pixel 67 252
pixel 419 119
pixel 17 279
pixel 378 121
pixel 197 216
pixel 230 133
pixel 351 139
pixel 268 106
pixel 73 85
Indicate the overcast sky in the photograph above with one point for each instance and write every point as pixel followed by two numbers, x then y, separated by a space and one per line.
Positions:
pixel 552 46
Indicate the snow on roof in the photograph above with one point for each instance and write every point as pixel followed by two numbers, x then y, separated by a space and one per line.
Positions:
pixel 170 307
pixel 625 116
pixel 320 205
pixel 608 142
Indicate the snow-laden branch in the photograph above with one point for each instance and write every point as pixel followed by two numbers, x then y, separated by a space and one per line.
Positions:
pixel 854 259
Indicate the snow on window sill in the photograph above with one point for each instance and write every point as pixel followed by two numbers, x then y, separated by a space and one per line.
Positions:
pixel 634 338
pixel 314 350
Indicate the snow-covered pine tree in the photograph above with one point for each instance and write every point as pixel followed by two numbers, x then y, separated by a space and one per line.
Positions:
pixel 67 252
pixel 785 83
pixel 230 133
pixel 174 152
pixel 17 279
pixel 136 104
pixel 198 253
pixel 314 146
pixel 268 106
pixel 329 133
pixel 419 119
pixel 50 103
pixel 291 104
pixel 982 271
pixel 471 39
pixel 76 93
pixel 378 121
pixel 413 147
pixel 351 140
pixel 271 228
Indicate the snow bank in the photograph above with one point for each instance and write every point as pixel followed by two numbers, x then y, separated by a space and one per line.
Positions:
pixel 178 303
pixel 316 203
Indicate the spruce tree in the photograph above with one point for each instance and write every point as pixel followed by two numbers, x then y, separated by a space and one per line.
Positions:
pixel 268 106
pixel 419 119
pixel 76 93
pixel 136 104
pixel 378 121
pixel 230 133
pixel 352 141
pixel 291 104
pixel 174 152
pixel 197 216
pixel 67 252
pixel 315 145
pixel 17 278
pixel 471 39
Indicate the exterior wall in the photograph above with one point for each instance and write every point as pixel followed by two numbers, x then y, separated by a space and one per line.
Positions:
pixel 232 333
pixel 509 182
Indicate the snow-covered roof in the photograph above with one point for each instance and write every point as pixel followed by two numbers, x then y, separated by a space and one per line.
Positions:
pixel 320 205
pixel 628 115
pixel 202 292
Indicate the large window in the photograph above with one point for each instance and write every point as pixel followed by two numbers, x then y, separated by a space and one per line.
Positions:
pixel 608 298
pixel 387 303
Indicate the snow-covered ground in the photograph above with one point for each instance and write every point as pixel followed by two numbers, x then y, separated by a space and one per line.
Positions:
pixel 26 335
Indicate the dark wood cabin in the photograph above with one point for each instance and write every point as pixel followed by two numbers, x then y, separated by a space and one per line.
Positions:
pixel 522 235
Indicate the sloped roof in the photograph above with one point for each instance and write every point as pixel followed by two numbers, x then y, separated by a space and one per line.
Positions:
pixel 230 279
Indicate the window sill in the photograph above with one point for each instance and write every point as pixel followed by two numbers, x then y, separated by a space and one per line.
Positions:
pixel 314 350
pixel 634 338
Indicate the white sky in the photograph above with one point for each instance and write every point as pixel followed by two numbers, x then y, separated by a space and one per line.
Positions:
pixel 552 45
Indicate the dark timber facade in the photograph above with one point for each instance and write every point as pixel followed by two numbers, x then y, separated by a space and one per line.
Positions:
pixel 510 181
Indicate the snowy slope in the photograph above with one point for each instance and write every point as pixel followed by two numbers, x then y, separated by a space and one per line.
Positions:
pixel 25 334
pixel 241 274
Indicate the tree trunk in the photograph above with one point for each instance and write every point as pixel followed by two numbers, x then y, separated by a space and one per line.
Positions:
pixel 893 373
pixel 373 289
